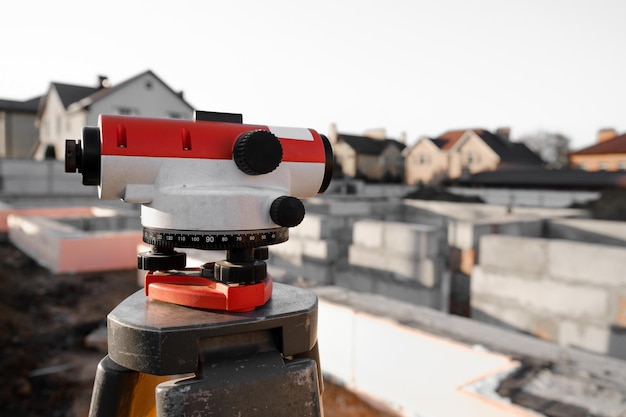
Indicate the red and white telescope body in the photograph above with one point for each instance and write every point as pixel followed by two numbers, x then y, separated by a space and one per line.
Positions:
pixel 201 175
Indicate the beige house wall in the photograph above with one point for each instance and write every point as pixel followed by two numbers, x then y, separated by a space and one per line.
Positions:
pixel 471 153
pixel 372 167
pixel 346 157
pixel 599 162
pixel 375 167
pixel 369 166
pixel 425 163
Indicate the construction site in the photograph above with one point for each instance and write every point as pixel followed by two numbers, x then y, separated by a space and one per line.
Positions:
pixel 425 307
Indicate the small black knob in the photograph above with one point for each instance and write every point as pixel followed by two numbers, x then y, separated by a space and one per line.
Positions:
pixel 257 152
pixel 161 260
pixel 287 211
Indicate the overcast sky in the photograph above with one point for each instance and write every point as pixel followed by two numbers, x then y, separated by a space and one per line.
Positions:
pixel 421 66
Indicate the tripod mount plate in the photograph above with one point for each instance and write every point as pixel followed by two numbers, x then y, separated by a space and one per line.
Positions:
pixel 195 291
pixel 163 339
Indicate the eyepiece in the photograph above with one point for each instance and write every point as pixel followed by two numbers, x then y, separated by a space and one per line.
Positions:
pixel 73 156
pixel 84 157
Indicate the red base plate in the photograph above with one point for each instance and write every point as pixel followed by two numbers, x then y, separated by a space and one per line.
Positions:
pixel 195 291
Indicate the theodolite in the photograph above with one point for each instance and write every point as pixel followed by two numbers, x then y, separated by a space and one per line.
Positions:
pixel 249 345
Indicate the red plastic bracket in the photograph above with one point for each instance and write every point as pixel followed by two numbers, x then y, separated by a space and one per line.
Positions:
pixel 195 291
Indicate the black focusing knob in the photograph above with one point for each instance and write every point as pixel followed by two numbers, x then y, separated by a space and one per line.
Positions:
pixel 287 211
pixel 257 152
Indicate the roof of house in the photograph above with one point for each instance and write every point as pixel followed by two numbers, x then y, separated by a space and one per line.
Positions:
pixel 615 145
pixel 543 178
pixel 448 139
pixel 508 151
pixel 369 146
pixel 69 93
pixel 28 106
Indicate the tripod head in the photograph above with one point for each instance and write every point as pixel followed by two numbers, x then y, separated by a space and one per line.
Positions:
pixel 211 183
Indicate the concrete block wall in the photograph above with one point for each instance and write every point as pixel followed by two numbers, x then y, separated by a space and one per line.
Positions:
pixel 316 248
pixel 25 177
pixel 464 224
pixel 587 230
pixel 399 260
pixel 573 293
pixel 423 362
pixel 410 371
pixel 57 243
pixel 464 236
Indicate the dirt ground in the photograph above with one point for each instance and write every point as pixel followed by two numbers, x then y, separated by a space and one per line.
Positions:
pixel 46 369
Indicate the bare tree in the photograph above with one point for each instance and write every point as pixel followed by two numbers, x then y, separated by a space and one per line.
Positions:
pixel 553 148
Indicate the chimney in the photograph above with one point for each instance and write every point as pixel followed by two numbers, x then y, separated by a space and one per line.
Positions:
pixel 379 133
pixel 181 94
pixel 402 138
pixel 606 134
pixel 504 133
pixel 103 82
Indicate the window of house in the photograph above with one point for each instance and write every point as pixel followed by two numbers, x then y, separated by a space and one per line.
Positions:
pixel 174 115
pixel 582 166
pixel 602 166
pixel 470 158
pixel 149 85
pixel 621 166
pixel 127 111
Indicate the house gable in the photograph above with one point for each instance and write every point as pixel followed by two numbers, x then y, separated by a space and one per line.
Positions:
pixel 144 95
pixel 369 158
pixel 66 108
pixel 425 162
pixel 475 155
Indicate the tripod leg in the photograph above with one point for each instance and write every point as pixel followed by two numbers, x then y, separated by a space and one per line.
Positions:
pixel 258 385
pixel 121 392
pixel 314 355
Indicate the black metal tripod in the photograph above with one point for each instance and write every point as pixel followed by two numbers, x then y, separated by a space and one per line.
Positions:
pixel 167 360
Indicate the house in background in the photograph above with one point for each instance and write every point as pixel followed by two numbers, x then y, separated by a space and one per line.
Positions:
pixel 372 157
pixel 608 154
pixel 18 133
pixel 470 151
pixel 66 109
